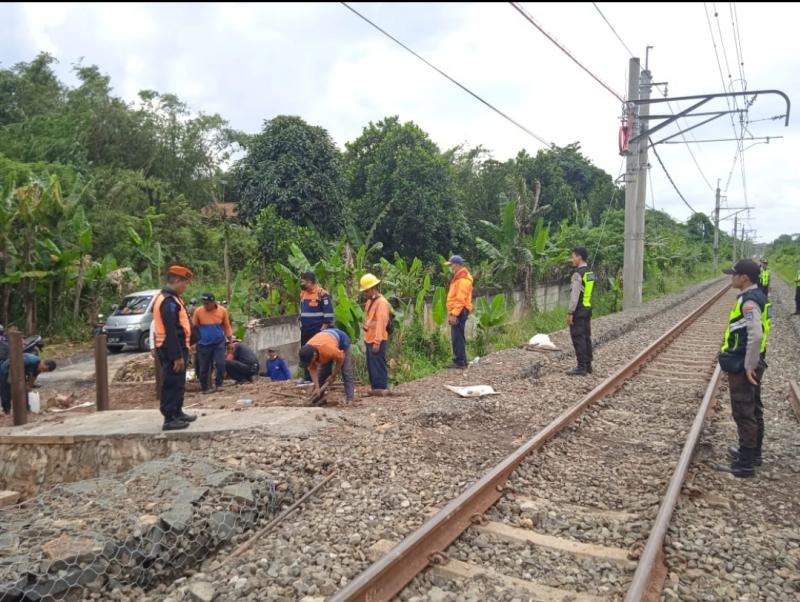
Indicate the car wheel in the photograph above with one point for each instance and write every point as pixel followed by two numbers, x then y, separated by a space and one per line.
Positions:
pixel 115 348
pixel 144 341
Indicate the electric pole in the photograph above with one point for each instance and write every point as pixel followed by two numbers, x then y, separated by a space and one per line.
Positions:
pixel 716 229
pixel 641 182
pixel 631 283
pixel 735 229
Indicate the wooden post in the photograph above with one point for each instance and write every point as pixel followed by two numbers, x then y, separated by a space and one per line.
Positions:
pixel 19 392
pixel 101 371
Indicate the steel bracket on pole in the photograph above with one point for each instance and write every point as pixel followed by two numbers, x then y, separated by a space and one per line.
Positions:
pixel 699 101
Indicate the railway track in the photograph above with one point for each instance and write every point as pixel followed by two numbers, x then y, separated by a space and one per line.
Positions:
pixel 585 519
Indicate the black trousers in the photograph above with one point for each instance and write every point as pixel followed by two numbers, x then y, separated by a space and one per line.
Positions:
pixel 206 355
pixel 240 371
pixel 797 299
pixel 376 367
pixel 305 337
pixel 5 394
pixel 458 339
pixel 173 386
pixel 764 289
pixel 581 333
pixel 746 407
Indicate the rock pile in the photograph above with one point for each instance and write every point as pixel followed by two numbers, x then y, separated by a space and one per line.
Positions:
pixel 133 530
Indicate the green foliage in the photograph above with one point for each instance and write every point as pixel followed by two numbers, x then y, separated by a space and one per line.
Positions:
pixel 401 190
pixel 784 256
pixel 490 316
pixel 439 306
pixel 276 235
pixel 295 168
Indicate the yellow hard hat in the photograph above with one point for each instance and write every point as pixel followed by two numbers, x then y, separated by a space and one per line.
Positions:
pixel 368 281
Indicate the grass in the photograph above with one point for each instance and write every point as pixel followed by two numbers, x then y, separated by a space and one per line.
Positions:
pixel 425 354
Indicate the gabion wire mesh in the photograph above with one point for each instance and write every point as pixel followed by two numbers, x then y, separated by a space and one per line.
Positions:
pixel 134 529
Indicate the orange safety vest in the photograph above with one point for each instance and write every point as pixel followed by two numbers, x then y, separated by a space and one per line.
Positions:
pixel 158 322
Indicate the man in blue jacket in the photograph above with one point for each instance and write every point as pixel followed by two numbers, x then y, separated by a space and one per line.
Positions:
pixel 276 368
pixel 33 366
pixel 316 310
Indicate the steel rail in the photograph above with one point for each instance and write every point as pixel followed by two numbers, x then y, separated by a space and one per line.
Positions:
pixel 644 583
pixel 390 574
pixel 794 397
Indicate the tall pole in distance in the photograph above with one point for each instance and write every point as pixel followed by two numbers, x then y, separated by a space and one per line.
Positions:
pixel 716 229
pixel 641 183
pixel 735 230
pixel 631 285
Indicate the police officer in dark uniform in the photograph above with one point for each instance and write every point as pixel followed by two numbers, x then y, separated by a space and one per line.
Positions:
pixel 742 358
pixel 763 278
pixel 579 312
pixel 173 333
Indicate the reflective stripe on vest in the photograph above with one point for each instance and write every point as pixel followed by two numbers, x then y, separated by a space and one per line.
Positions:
pixel 764 277
pixel 158 322
pixel 797 279
pixel 766 325
pixel 588 287
pixel 735 340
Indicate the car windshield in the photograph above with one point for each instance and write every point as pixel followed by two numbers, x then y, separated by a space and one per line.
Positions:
pixel 132 306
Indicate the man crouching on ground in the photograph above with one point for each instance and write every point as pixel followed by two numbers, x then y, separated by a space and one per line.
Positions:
pixel 319 355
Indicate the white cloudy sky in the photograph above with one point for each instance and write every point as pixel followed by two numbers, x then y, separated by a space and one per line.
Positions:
pixel 251 62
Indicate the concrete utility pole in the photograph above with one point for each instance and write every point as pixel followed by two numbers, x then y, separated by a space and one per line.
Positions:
pixel 716 229
pixel 634 235
pixel 641 182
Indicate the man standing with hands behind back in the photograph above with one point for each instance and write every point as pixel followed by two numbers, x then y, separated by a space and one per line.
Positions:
pixel 172 333
pixel 459 306
pixel 579 312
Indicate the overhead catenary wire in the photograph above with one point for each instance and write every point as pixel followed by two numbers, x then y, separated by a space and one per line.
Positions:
pixel 669 177
pixel 621 41
pixel 563 49
pixel 452 80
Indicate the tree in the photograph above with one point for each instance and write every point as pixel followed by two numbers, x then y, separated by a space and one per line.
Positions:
pixel 401 191
pixel 295 168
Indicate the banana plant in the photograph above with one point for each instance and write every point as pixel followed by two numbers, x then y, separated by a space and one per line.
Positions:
pixel 490 316
pixel 439 306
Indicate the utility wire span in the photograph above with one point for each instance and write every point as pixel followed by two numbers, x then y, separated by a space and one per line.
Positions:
pixel 624 45
pixel 443 74
pixel 669 177
pixel 561 47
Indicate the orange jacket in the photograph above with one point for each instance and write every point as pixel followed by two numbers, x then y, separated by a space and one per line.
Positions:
pixel 327 346
pixel 459 296
pixel 182 321
pixel 378 312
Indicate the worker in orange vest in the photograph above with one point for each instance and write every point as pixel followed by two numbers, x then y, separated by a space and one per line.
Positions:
pixel 378 315
pixel 172 340
pixel 459 306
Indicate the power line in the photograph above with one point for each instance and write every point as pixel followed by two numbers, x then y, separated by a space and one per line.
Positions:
pixel 612 29
pixel 737 41
pixel 669 177
pixel 688 147
pixel 561 47
pixel 443 74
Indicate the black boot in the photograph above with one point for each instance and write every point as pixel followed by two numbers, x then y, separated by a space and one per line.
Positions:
pixel 187 417
pixel 743 466
pixel 733 454
pixel 589 367
pixel 578 371
pixel 174 424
